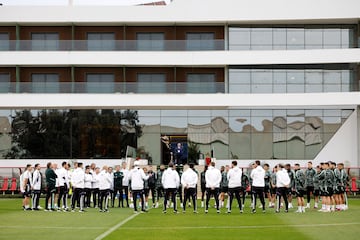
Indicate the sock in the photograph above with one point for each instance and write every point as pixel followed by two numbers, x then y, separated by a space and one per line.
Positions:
pixel 316 204
pixel 299 208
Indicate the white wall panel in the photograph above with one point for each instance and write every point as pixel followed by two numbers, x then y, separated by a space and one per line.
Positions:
pixel 190 58
pixel 179 101
pixel 191 11
pixel 342 147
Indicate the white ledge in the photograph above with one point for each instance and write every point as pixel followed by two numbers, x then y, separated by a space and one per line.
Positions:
pixel 180 101
pixel 179 58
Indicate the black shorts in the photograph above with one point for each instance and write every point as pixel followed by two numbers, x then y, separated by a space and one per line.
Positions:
pixel 146 192
pixel 26 194
pixel 266 189
pixel 327 193
pixel 339 190
pixel 316 192
pixel 300 193
pixel 51 189
pixel 289 191
pixel 310 189
pixel 203 188
pixel 273 190
pixel 224 189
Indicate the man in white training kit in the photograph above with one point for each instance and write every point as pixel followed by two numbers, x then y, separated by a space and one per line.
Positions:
pixel 171 181
pixel 258 184
pixel 36 188
pixel 77 181
pixel 213 179
pixel 137 177
pixel 26 186
pixel 234 178
pixel 189 179
pixel 61 188
pixel 104 188
pixel 282 184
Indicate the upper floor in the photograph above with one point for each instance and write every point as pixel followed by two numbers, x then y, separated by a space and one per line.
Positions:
pixel 178 38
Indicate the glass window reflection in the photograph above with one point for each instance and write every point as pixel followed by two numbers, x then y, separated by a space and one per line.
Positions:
pixel 235 133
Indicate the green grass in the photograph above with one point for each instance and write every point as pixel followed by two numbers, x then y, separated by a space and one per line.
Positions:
pixel 18 224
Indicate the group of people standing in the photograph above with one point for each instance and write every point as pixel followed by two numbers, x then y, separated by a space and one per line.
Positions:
pixel 101 187
pixel 86 186
pixel 327 182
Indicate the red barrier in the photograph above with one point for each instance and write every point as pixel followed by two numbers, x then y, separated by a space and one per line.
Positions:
pixel 5 185
pixel 353 185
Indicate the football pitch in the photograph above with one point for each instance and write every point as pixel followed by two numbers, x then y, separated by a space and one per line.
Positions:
pixel 122 223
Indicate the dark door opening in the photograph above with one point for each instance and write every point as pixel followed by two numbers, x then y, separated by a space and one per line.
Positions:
pixel 174 148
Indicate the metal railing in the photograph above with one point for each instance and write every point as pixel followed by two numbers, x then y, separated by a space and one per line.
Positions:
pixel 112 87
pixel 112 45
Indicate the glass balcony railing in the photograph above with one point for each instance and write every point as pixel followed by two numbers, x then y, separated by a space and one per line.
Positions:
pixel 111 87
pixel 112 45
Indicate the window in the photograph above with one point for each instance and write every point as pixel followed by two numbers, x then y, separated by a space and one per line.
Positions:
pixel 201 83
pixel 295 38
pixel 200 41
pixel 101 41
pixel 100 82
pixel 150 41
pixel 239 38
pixel 291 37
pixel 4 82
pixel 4 42
pixel 151 83
pixel 313 38
pixel 301 79
pixel 332 38
pixel 45 41
pixel 45 82
pixel 261 38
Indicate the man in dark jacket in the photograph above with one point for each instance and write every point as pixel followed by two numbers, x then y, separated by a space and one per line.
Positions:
pixel 50 176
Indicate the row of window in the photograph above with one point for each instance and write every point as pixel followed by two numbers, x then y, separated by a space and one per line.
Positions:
pixel 102 41
pixel 105 83
pixel 256 79
pixel 239 38
pixel 275 38
pixel 294 134
pixel 291 80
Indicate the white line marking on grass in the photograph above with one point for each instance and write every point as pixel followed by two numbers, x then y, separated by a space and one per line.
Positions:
pixel 49 227
pixel 115 227
pixel 245 227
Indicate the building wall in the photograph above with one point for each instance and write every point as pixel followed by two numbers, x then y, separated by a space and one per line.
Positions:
pixel 266 141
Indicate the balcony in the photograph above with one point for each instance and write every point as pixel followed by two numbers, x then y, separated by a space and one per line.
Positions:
pixel 112 45
pixel 113 87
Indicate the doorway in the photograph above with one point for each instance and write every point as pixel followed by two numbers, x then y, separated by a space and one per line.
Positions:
pixel 174 148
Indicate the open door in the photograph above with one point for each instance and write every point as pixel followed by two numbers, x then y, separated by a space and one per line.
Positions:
pixel 174 148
